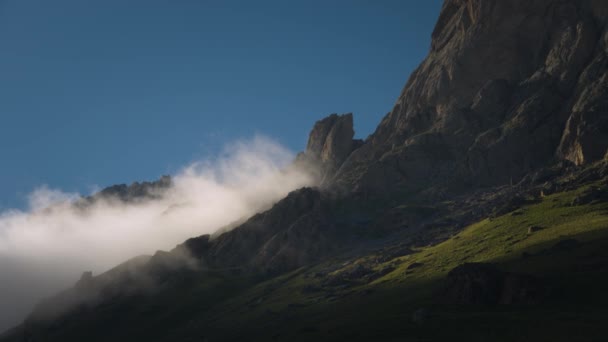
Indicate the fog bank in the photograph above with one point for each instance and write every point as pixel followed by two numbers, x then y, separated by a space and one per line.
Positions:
pixel 45 248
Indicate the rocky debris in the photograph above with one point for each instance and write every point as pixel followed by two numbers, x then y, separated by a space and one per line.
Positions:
pixel 485 284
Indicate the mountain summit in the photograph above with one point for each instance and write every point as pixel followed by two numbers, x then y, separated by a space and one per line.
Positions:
pixel 508 87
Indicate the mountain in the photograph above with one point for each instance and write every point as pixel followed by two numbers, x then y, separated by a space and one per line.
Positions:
pixel 476 211
pixel 508 87
pixel 131 193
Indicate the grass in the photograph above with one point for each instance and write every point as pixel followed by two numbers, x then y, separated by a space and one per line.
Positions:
pixel 351 314
pixel 212 306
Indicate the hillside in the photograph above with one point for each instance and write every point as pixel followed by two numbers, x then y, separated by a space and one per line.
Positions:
pixel 477 210
pixel 550 252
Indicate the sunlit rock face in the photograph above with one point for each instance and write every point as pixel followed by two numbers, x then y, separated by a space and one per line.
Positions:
pixel 507 87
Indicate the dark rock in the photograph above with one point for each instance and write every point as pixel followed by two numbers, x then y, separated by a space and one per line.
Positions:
pixel 534 229
pixel 130 193
pixel 485 284
pixel 548 189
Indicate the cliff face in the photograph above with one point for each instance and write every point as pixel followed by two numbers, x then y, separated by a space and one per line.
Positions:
pixel 508 87
pixel 330 143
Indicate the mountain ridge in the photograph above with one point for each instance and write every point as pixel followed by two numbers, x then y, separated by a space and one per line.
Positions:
pixel 506 116
pixel 489 90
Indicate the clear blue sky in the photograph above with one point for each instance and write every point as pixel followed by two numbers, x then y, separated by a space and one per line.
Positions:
pixel 114 91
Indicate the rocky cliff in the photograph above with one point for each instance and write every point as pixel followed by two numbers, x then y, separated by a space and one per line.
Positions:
pixel 330 143
pixel 507 87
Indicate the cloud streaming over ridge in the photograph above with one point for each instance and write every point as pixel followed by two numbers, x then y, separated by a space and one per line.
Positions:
pixel 46 247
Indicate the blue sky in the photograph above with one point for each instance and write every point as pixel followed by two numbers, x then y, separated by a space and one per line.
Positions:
pixel 114 91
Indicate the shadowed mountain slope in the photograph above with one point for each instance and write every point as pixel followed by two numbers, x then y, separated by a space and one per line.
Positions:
pixel 491 165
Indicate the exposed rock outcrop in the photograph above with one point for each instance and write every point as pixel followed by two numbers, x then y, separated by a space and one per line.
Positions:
pixel 508 87
pixel 135 192
pixel 329 144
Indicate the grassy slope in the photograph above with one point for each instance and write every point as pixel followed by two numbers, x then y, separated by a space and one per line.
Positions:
pixel 215 307
pixel 383 309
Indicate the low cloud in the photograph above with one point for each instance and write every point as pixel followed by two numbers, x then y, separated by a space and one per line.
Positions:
pixel 45 248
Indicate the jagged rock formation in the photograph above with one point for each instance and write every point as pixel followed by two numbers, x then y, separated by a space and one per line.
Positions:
pixel 508 87
pixel 135 192
pixel 329 144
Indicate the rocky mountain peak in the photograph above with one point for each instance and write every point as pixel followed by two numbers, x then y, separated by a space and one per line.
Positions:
pixel 330 143
pixel 508 87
